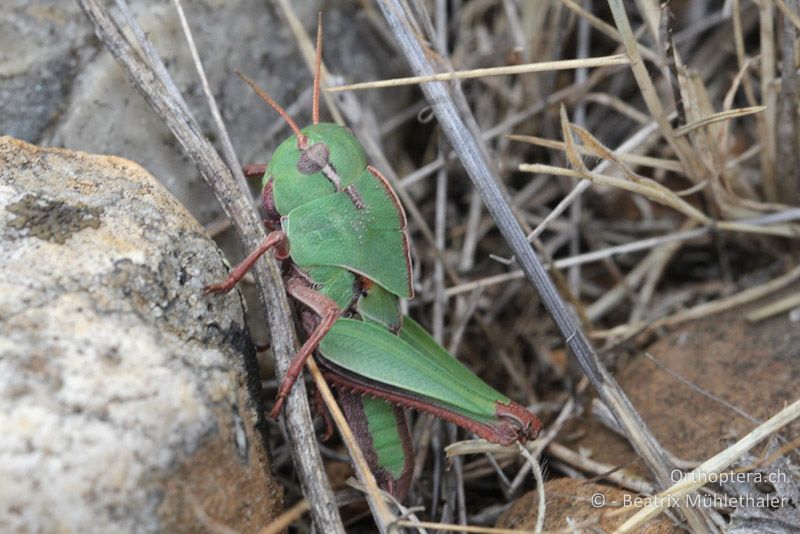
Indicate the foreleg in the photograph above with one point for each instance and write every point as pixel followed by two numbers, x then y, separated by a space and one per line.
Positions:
pixel 255 170
pixel 274 239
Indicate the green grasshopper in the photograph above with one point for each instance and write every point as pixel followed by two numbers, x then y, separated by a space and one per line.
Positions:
pixel 345 250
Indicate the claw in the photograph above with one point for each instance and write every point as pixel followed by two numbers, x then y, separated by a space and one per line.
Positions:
pixel 276 410
pixel 217 289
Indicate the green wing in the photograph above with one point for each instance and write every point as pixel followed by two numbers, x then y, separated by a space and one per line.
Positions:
pixel 382 433
pixel 386 438
pixel 374 353
pixel 419 338
pixel 335 283
pixel 361 229
pixel 382 307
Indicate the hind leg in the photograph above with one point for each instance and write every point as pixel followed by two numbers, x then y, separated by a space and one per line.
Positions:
pixel 328 311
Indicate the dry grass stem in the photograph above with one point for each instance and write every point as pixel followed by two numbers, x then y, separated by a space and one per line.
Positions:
pixel 788 13
pixel 450 527
pixel 607 29
pixel 380 510
pixel 537 475
pixel 718 117
pixel 650 94
pixel 633 246
pixel 644 186
pixel 638 138
pixel 285 520
pixel 661 195
pixel 567 64
pixel 227 145
pixel 770 310
pixel 698 478
pixel 769 99
pixel 706 309
pixel 608 472
pixel 633 159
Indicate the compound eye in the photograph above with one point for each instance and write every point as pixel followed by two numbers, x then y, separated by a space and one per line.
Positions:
pixel 313 159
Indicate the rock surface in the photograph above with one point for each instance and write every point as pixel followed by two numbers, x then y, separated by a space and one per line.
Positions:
pixel 125 402
pixel 570 502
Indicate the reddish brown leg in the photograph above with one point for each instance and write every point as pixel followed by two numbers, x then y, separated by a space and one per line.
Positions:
pixel 322 410
pixel 328 312
pixel 274 239
pixel 256 170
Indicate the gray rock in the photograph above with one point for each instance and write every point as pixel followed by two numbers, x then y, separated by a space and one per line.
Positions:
pixel 125 403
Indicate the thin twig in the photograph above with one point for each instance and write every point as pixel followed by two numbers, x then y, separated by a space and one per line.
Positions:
pixel 582 186
pixel 283 521
pixel 788 13
pixel 380 510
pixel 649 93
pixel 718 117
pixel 627 248
pixel 769 99
pixel 633 159
pixel 607 471
pixel 605 28
pixel 227 145
pixel 788 135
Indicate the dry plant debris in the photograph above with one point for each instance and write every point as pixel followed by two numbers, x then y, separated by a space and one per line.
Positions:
pixel 673 176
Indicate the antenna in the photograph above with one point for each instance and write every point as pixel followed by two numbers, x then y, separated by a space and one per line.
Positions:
pixel 302 140
pixel 317 71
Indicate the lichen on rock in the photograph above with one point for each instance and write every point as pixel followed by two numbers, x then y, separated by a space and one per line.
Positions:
pixel 50 220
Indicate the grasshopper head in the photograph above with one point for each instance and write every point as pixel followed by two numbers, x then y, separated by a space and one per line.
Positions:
pixel 315 161
pixel 329 149
pixel 325 158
